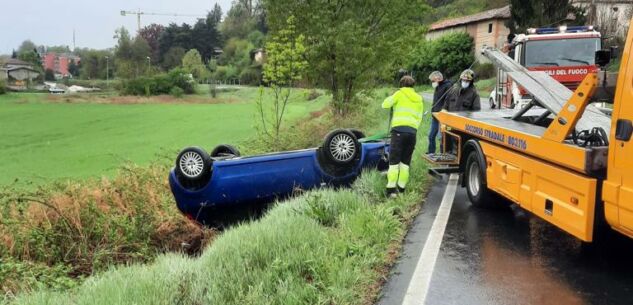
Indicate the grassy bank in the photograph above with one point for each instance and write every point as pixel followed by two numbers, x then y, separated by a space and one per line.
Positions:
pixel 46 138
pixel 322 247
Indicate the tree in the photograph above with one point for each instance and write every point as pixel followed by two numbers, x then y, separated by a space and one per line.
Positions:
pixel 151 34
pixel 351 43
pixel 239 21
pixel 49 75
pixel 540 13
pixel 57 49
pixel 131 55
pixel 31 57
pixel 450 54
pixel 27 46
pixel 192 63
pixel 141 52
pixel 94 64
pixel 205 37
pixel 173 58
pixel 284 66
pixel 175 36
pixel 216 14
pixel 74 69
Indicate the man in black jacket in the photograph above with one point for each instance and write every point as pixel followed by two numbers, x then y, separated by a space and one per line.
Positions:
pixel 466 98
pixel 442 88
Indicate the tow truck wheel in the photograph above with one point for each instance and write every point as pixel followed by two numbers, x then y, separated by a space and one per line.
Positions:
pixel 478 192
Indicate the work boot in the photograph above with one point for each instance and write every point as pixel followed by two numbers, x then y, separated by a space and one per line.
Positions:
pixel 401 190
pixel 391 193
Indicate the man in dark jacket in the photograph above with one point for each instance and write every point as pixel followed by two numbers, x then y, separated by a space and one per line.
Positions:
pixel 442 88
pixel 466 97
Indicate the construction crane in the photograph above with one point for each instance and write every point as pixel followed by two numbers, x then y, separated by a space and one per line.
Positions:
pixel 139 13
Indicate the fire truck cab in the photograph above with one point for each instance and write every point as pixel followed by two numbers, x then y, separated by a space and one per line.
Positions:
pixel 567 54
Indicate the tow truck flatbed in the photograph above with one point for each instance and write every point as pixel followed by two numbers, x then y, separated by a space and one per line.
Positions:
pixel 495 127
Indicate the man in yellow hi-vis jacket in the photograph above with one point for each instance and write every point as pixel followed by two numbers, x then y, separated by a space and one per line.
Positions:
pixel 408 109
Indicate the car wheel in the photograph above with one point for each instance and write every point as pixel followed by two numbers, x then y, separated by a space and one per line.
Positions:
pixel 341 147
pixel 478 192
pixel 357 133
pixel 193 164
pixel 224 150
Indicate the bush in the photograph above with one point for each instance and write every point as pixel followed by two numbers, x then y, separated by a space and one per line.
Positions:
pixel 225 73
pixel 251 77
pixel 160 84
pixel 177 92
pixel 51 236
pixel 450 54
pixel 313 95
pixel 485 71
pixel 3 87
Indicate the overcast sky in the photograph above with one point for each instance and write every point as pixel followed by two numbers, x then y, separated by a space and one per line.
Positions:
pixel 51 22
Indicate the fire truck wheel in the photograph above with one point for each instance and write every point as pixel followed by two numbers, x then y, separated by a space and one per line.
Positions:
pixel 478 192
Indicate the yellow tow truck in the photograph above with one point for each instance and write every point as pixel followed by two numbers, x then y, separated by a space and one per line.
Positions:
pixel 560 158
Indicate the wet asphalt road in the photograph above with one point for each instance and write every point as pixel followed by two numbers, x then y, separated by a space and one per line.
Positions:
pixel 504 256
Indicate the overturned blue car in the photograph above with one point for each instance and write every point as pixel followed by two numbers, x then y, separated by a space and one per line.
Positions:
pixel 205 185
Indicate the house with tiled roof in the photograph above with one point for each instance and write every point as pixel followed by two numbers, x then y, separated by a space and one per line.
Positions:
pixel 486 28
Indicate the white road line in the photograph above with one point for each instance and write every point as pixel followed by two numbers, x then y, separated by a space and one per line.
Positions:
pixel 419 284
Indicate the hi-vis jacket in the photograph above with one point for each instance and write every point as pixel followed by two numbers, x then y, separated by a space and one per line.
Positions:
pixel 408 108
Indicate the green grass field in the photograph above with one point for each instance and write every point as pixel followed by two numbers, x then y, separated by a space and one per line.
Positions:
pixel 43 141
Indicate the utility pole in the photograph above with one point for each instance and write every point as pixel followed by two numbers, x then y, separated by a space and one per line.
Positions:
pixel 107 71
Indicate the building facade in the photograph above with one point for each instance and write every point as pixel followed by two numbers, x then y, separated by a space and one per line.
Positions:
pixel 59 63
pixel 486 28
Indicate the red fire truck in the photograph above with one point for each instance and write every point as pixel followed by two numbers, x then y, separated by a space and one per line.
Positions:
pixel 565 53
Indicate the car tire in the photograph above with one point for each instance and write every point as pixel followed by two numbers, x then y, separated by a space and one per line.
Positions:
pixel 474 176
pixel 357 133
pixel 341 147
pixel 225 150
pixel 193 164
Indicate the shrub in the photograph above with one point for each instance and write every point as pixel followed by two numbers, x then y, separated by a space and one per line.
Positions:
pixel 177 92
pixel 485 70
pixel 3 87
pixel 313 95
pixel 63 231
pixel 449 54
pixel 160 84
pixel 224 73
pixel 251 77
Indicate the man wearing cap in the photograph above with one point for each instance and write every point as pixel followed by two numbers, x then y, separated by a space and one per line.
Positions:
pixel 466 98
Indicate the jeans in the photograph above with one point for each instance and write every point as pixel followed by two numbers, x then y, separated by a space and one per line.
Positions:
pixel 435 128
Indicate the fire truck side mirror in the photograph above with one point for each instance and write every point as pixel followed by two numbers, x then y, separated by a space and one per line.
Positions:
pixel 603 58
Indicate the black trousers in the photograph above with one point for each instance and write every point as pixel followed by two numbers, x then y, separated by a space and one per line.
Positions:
pixel 402 147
